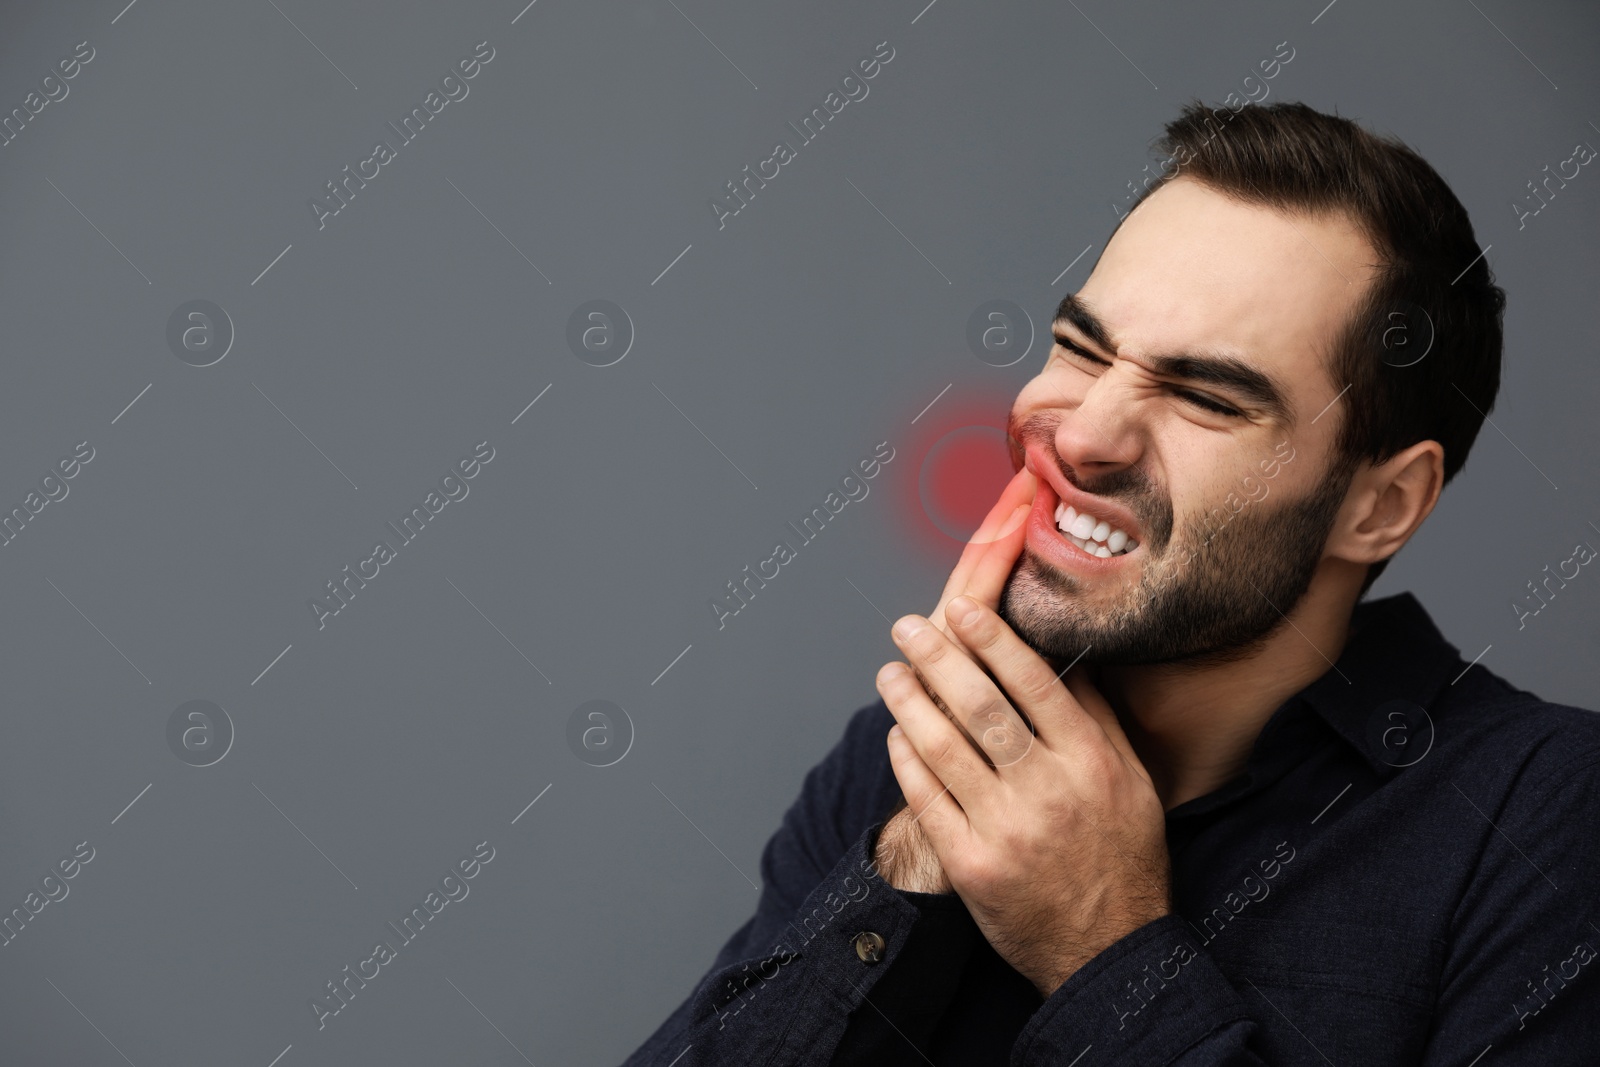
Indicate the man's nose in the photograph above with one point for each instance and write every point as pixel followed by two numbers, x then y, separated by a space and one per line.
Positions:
pixel 1100 434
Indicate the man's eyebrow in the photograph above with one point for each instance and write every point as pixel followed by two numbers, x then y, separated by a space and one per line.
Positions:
pixel 1074 310
pixel 1226 371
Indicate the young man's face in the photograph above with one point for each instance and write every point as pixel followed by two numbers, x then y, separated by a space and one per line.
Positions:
pixel 1219 319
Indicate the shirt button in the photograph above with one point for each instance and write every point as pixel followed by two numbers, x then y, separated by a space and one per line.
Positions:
pixel 869 946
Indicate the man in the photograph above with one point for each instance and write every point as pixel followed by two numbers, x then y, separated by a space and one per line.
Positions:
pixel 1158 789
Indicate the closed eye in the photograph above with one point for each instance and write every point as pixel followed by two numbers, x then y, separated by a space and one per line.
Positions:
pixel 1082 354
pixel 1203 401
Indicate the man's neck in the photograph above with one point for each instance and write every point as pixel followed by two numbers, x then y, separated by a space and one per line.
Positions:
pixel 1193 725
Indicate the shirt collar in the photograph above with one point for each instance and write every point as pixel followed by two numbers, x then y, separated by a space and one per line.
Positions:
pixel 1375 698
pixel 1391 670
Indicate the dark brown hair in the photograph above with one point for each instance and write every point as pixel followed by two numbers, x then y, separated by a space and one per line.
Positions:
pixel 1421 352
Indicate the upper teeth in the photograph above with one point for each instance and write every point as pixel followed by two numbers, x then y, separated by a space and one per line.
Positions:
pixel 1095 536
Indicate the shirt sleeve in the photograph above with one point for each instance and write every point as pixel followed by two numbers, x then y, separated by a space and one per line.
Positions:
pixel 826 932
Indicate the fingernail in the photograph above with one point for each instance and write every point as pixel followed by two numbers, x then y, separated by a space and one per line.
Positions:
pixel 1018 516
pixel 895 732
pixel 962 610
pixel 908 627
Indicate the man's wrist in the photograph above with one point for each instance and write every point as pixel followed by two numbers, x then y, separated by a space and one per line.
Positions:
pixel 905 858
pixel 1072 963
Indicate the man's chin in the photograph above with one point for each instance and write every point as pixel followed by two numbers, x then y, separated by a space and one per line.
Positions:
pixel 1056 616
pixel 1045 609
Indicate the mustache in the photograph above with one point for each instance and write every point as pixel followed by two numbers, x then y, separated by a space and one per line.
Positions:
pixel 1130 486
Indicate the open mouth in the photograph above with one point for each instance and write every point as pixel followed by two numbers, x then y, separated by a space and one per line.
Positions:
pixel 1076 529
pixel 1095 536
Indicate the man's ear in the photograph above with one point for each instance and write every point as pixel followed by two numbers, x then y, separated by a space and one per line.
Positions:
pixel 1386 503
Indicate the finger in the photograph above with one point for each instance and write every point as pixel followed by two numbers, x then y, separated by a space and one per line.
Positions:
pixel 1018 491
pixel 990 556
pixel 929 799
pixel 1062 723
pixel 944 709
pixel 974 700
pixel 936 739
pixel 1090 699
pixel 987 581
pixel 988 577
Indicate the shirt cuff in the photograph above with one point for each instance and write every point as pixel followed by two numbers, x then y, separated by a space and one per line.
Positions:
pixel 908 1002
pixel 1145 999
pixel 854 925
pixel 826 959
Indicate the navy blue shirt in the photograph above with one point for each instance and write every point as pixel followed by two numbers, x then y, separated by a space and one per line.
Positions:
pixel 1405 872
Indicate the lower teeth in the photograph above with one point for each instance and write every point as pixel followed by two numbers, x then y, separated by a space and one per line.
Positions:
pixel 1090 546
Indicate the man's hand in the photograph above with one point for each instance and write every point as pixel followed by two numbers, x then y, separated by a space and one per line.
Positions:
pixel 1055 842
pixel 903 855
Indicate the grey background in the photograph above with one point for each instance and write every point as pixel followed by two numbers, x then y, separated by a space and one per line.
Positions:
pixel 416 724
